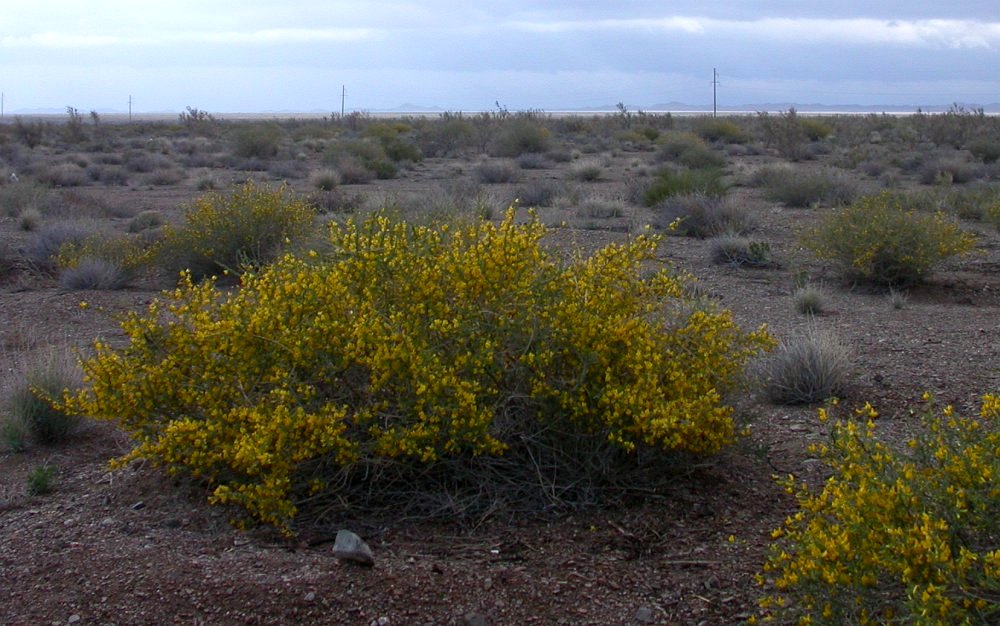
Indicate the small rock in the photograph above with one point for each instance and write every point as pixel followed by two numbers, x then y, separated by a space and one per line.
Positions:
pixel 310 596
pixel 350 547
pixel 73 619
pixel 382 621
pixel 644 615
pixel 138 506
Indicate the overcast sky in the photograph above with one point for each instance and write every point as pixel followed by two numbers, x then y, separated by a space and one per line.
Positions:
pixel 294 55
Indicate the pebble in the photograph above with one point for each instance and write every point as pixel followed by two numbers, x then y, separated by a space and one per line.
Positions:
pixel 644 615
pixel 73 619
pixel 310 596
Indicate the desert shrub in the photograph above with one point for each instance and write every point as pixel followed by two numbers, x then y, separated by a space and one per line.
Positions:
pixel 108 174
pixel 31 404
pixel 30 134
pixel 165 177
pixel 352 172
pixel 259 141
pixel 94 273
pixel 730 249
pixel 42 251
pixel 63 175
pixel 809 300
pixel 243 229
pixel 534 161
pixel 689 150
pixel 815 129
pixel 145 221
pixel 892 536
pixel 416 345
pixel 877 240
pixel 325 180
pixel 700 215
pixel 493 172
pixel 588 171
pixel 992 215
pixel 520 136
pixel 723 130
pixel 29 220
pixel 144 162
pixel 446 137
pixel 670 182
pixel 796 188
pixel 811 367
pixel 335 201
pixel 950 171
pixel 599 208
pixel 40 481
pixel 538 193
pixel 985 150
pixel 288 169
pixel 14 199
pixel 9 260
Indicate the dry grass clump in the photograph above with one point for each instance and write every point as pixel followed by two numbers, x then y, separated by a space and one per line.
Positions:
pixel 809 300
pixel 732 249
pixel 496 172
pixel 94 273
pixel 325 180
pixel 146 220
pixel 811 367
pixel 588 170
pixel 43 248
pixel 702 216
pixel 796 188
pixel 29 411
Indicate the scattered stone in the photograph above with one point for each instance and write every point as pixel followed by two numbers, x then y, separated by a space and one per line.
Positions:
pixel 644 615
pixel 74 618
pixel 350 547
pixel 382 621
pixel 310 596
pixel 138 506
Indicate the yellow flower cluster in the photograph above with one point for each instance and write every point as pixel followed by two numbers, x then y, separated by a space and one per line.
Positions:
pixel 878 240
pixel 909 537
pixel 417 343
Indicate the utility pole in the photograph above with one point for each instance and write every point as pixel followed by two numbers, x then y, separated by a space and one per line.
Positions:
pixel 1 104
pixel 130 108
pixel 715 84
pixel 343 98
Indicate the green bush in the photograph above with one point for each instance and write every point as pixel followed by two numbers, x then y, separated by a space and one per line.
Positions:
pixel 815 129
pixel 796 188
pixel 416 345
pixel 723 130
pixel 228 233
pixel 670 182
pixel 520 136
pixel 894 537
pixel 258 141
pixel 877 240
pixel 986 150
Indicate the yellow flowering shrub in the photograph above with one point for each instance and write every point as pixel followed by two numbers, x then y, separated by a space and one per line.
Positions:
pixel 877 240
pixel 895 537
pixel 414 343
pixel 245 228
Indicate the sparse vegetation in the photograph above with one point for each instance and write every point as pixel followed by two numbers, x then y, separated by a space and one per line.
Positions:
pixel 811 367
pixel 878 240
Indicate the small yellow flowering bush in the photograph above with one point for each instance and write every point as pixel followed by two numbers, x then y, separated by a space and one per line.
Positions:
pixel 418 344
pixel 911 537
pixel 877 240
pixel 230 232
